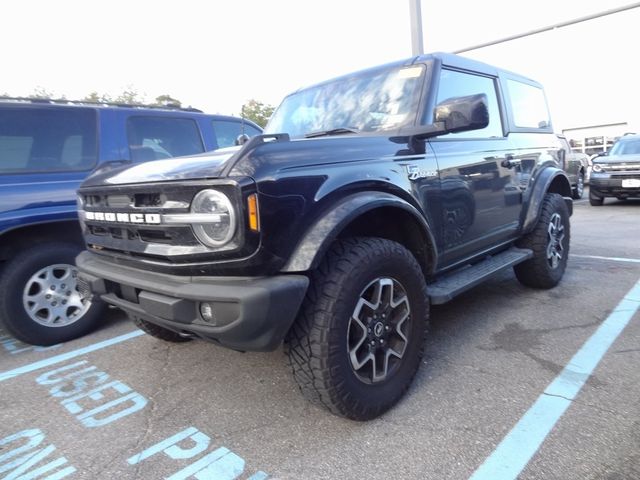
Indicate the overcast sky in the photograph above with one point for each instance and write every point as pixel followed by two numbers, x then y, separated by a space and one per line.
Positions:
pixel 215 55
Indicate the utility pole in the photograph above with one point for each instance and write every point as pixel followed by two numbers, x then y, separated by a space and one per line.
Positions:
pixel 417 45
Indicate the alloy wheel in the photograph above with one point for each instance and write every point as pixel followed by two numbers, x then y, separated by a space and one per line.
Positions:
pixel 555 247
pixel 51 296
pixel 378 330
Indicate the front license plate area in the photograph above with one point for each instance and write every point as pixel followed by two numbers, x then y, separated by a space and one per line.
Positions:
pixel 631 183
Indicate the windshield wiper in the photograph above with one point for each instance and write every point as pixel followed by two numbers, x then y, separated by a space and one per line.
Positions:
pixel 333 131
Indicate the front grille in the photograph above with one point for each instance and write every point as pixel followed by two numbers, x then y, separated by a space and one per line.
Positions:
pixel 174 235
pixel 621 167
pixel 142 202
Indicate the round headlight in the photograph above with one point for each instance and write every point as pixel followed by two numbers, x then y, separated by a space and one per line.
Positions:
pixel 220 224
pixel 597 168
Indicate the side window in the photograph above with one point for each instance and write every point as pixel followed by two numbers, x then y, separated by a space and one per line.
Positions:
pixel 155 138
pixel 528 105
pixel 226 132
pixel 47 140
pixel 458 84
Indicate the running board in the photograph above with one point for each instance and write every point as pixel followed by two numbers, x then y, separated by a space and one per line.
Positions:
pixel 458 281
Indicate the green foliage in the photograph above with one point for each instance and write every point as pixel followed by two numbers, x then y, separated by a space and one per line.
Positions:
pixel 95 97
pixel 167 100
pixel 257 112
pixel 43 93
pixel 130 96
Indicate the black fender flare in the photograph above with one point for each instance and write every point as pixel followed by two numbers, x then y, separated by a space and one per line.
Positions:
pixel 322 233
pixel 549 179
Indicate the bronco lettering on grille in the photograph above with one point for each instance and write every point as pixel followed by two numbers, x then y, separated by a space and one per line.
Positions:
pixel 148 218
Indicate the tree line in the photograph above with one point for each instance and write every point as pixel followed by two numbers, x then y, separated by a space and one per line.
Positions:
pixel 254 110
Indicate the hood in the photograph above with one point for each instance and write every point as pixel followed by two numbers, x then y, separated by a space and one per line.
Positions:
pixel 205 165
pixel 617 159
pixel 256 159
pixel 270 158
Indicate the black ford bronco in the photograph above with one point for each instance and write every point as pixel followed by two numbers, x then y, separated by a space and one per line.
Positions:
pixel 368 198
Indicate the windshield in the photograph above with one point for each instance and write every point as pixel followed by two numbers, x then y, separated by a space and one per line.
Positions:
pixel 626 147
pixel 365 102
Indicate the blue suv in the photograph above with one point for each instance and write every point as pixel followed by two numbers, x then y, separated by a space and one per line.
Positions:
pixel 46 149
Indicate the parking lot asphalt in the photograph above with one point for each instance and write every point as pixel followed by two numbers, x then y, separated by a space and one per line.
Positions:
pixel 113 405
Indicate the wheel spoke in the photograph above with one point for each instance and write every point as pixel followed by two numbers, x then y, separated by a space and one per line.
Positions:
pixel 357 364
pixel 75 301
pixel 398 328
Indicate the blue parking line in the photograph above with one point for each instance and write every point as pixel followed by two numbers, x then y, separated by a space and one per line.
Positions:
pixel 63 357
pixel 515 451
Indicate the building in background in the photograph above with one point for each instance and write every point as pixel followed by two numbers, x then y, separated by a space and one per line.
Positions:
pixel 596 139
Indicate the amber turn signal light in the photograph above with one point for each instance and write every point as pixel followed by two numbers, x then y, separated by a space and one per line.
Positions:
pixel 254 221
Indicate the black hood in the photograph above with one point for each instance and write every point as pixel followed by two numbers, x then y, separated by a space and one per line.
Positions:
pixel 256 159
pixel 206 165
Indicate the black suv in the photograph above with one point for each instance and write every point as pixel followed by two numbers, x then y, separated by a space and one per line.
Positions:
pixel 46 149
pixel 370 197
pixel 617 172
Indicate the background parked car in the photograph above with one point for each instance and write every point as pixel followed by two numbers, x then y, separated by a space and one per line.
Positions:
pixel 46 149
pixel 576 166
pixel 616 173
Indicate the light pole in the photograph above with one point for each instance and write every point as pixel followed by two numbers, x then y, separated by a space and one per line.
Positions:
pixel 417 47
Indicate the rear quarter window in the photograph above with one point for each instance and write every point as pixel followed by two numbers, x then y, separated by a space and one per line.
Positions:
pixel 528 106
pixel 47 140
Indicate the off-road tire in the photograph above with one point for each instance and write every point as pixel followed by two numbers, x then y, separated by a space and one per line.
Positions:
pixel 539 272
pixel 158 332
pixel 318 342
pixel 578 191
pixel 14 277
pixel 595 200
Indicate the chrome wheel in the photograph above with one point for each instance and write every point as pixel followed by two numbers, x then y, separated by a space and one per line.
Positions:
pixel 51 296
pixel 555 247
pixel 378 330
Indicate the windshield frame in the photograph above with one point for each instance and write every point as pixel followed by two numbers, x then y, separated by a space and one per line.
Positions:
pixel 408 106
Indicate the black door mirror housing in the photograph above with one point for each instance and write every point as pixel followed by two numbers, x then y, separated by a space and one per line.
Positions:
pixel 459 114
pixel 462 114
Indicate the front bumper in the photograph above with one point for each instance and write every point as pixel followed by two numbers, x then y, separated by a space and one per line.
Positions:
pixel 250 313
pixel 606 184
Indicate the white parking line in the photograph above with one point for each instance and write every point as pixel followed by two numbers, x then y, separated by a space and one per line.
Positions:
pixel 63 357
pixel 612 259
pixel 515 450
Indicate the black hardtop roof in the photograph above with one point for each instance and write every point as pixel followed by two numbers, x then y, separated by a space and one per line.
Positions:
pixel 447 59
pixel 458 61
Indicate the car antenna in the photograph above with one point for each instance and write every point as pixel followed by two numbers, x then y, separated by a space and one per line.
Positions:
pixel 242 119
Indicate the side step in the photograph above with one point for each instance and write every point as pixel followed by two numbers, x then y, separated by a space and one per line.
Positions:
pixel 461 280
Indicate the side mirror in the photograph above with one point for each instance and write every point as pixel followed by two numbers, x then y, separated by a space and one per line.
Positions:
pixel 242 139
pixel 462 114
pixel 459 114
